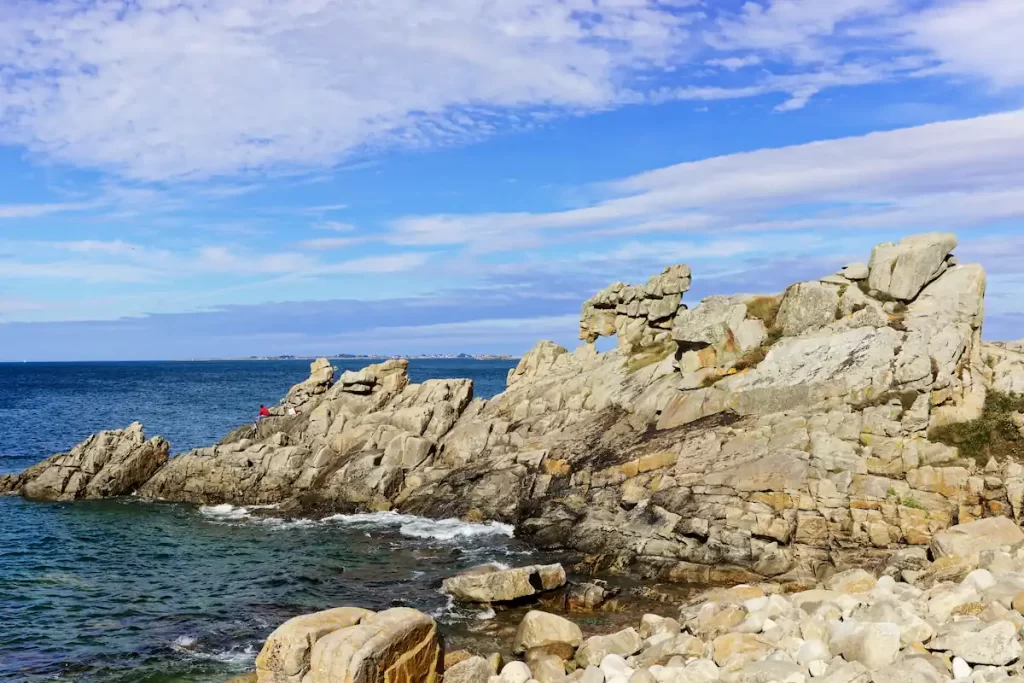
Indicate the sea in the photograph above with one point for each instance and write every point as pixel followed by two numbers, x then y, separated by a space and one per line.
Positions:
pixel 133 591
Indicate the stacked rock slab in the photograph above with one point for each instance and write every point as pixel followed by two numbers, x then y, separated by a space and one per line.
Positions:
pixel 399 645
pixel 785 436
pixel 107 464
pixel 640 315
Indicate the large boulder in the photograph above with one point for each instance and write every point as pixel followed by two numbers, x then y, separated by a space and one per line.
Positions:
pixel 399 645
pixel 106 465
pixel 900 271
pixel 971 539
pixel 538 629
pixel 286 653
pixel 490 583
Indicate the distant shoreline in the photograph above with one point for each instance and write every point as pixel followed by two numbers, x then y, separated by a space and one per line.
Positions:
pixel 273 358
pixel 349 357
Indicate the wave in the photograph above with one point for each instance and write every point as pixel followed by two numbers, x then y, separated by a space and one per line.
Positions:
pixel 423 527
pixel 234 656
pixel 410 526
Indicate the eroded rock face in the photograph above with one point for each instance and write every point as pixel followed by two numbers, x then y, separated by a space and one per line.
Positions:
pixel 107 464
pixel 640 315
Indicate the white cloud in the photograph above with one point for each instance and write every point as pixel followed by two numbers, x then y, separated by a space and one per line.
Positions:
pixel 958 172
pixel 111 247
pixel 159 89
pixel 37 210
pixel 335 226
pixel 391 263
pixel 734 63
pixel 155 89
pixel 982 38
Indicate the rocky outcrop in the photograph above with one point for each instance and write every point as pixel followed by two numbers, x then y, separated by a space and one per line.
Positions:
pixel 107 464
pixel 1007 363
pixel 398 645
pixel 900 271
pixel 776 435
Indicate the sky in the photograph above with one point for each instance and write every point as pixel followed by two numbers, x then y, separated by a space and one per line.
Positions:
pixel 260 177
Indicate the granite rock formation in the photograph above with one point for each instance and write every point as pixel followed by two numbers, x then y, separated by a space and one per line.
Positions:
pixel 774 435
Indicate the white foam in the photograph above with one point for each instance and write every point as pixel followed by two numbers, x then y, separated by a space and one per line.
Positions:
pixel 410 526
pixel 235 657
pixel 486 615
pixel 224 511
pixel 184 643
pixel 422 527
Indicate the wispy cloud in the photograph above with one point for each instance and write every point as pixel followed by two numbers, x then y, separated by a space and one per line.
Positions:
pixel 959 172
pixel 37 210
pixel 325 243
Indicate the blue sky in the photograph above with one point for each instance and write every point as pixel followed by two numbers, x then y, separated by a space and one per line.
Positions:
pixel 213 178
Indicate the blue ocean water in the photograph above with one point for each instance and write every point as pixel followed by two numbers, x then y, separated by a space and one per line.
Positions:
pixel 129 591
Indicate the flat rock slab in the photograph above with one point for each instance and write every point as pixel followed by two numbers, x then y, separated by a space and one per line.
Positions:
pixel 490 583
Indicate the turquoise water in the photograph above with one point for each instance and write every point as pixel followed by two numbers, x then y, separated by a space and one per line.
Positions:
pixel 133 591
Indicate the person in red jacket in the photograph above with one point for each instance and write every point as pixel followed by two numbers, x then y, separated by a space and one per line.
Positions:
pixel 264 411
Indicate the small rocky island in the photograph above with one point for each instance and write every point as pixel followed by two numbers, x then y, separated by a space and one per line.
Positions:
pixel 848 451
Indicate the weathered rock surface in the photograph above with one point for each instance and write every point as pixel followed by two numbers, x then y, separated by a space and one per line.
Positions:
pixel 472 670
pixel 489 583
pixel 105 465
pixel 971 539
pixel 398 645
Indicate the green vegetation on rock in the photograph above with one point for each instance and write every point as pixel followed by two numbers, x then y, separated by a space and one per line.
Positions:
pixel 993 435
pixel 650 355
